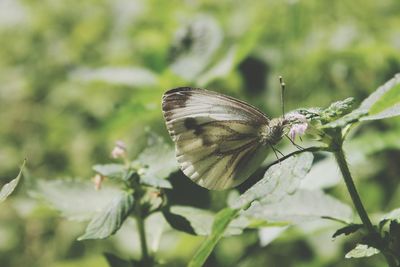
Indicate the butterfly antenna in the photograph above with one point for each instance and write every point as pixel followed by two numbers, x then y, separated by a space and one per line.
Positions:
pixel 283 85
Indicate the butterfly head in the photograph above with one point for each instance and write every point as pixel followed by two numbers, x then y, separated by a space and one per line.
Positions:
pixel 292 124
pixel 272 133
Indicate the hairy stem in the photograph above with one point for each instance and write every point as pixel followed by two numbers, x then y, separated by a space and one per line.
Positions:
pixel 341 161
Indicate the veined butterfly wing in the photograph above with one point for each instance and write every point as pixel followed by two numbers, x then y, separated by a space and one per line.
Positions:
pixel 217 137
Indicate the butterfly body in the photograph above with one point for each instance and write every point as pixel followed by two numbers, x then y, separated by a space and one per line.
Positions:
pixel 219 140
pixel 274 131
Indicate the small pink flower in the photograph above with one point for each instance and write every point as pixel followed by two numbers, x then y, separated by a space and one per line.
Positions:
pixel 299 125
pixel 119 150
pixel 98 179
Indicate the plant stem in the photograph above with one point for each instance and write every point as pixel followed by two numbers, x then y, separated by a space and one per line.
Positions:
pixel 142 233
pixel 140 216
pixel 341 160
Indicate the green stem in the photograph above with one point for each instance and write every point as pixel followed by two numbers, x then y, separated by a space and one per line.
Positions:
pixel 341 160
pixel 142 233
pixel 140 219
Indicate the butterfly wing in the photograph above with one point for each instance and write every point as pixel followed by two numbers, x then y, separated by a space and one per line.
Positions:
pixel 217 137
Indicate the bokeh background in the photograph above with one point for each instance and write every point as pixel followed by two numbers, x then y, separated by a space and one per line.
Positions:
pixel 77 76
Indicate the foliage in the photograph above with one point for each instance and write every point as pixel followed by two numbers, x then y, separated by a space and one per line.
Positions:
pixel 8 188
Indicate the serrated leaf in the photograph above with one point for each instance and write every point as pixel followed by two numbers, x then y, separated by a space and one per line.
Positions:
pixel 110 170
pixel 62 195
pixel 158 162
pixel 221 223
pixel 384 102
pixel 108 221
pixel 9 187
pixel 361 251
pixel 278 181
pixel 300 207
pixel 348 229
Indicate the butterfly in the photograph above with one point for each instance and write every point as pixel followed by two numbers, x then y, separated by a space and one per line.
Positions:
pixel 219 140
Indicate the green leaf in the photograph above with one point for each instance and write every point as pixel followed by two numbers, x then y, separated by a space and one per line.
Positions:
pixel 8 188
pixel 278 181
pixel 62 195
pixel 190 220
pixel 179 222
pixel 302 206
pixel 110 170
pixel 108 221
pixel 348 229
pixel 361 251
pixel 158 162
pixel 384 102
pixel 221 223
pixel 268 234
pixel 199 222
pixel 323 174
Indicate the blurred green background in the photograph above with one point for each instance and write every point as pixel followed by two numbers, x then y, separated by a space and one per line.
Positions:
pixel 77 76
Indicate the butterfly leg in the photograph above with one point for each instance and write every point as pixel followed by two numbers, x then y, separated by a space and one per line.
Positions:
pixel 296 145
pixel 276 151
pixel 276 155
